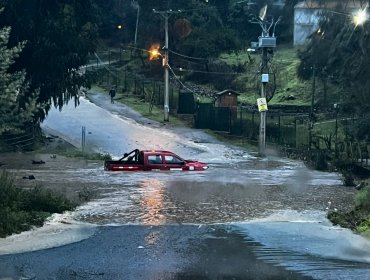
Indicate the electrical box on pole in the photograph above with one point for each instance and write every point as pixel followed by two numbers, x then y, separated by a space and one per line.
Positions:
pixel 267 42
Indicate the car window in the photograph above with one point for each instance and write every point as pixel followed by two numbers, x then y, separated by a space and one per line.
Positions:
pixel 154 159
pixel 172 159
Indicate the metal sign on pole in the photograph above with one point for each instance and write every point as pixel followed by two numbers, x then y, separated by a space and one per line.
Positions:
pixel 265 42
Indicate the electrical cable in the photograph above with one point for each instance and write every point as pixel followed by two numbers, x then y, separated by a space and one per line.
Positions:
pixel 105 66
pixel 179 81
pixel 190 57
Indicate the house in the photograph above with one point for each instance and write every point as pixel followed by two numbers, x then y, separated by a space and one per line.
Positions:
pixel 308 13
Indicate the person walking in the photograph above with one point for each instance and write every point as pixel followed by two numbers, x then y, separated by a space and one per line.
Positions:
pixel 112 94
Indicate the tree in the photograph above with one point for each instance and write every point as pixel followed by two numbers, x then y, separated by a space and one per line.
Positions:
pixel 15 109
pixel 340 54
pixel 60 34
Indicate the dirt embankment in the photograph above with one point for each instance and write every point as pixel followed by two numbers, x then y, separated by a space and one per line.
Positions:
pixel 48 167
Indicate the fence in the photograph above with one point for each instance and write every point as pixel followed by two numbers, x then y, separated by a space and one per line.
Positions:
pixel 281 128
pixel 20 141
pixel 292 128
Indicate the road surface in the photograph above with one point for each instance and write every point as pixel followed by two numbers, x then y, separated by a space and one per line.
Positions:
pixel 244 218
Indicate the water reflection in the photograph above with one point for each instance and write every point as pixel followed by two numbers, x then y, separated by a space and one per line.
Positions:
pixel 152 202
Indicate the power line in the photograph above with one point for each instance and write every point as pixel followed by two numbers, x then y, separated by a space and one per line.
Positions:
pixel 180 82
pixel 208 72
pixel 186 56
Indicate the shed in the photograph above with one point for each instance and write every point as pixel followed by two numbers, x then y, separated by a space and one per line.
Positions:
pixel 226 98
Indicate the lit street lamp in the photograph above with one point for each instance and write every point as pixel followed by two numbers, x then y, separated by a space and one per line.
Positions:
pixel 360 17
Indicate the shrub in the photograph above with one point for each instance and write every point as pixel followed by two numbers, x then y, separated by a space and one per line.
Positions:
pixel 362 199
pixel 21 209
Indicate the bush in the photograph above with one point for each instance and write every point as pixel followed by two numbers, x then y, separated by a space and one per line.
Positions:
pixel 362 199
pixel 21 209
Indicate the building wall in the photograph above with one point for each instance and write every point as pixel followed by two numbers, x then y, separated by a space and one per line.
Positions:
pixel 306 22
pixel 307 16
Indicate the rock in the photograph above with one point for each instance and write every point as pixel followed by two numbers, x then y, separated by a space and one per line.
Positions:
pixel 38 162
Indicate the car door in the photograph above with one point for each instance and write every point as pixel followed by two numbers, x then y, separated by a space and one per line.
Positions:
pixel 155 162
pixel 172 162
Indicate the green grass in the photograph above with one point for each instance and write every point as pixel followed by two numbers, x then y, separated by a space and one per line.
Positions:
pixel 21 209
pixel 359 218
pixel 285 63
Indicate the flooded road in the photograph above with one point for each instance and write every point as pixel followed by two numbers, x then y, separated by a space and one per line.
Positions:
pixel 245 217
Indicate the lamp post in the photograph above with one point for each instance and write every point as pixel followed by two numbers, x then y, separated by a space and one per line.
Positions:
pixel 166 14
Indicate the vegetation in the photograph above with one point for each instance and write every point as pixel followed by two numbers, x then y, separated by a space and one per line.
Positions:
pixel 208 41
pixel 73 153
pixel 358 219
pixel 21 209
pixel 15 109
pixel 62 33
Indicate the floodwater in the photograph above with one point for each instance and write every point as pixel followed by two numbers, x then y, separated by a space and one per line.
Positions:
pixel 277 206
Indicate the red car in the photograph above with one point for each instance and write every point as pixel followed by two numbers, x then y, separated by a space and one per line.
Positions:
pixel 145 160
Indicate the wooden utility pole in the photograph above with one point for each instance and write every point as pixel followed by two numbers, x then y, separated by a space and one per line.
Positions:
pixel 265 42
pixel 262 134
pixel 166 14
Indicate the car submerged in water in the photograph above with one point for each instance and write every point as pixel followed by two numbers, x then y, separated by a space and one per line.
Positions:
pixel 146 160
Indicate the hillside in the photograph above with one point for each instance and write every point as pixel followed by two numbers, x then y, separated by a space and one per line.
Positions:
pixel 289 89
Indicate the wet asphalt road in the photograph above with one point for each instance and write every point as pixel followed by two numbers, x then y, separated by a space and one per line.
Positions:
pixel 148 252
pixel 186 226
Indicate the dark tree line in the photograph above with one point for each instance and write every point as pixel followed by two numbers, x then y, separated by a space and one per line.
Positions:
pixel 59 35
pixel 339 53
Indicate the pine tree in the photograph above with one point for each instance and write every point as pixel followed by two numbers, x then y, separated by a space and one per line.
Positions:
pixel 15 110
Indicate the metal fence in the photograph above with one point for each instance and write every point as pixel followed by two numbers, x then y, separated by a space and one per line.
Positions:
pixel 290 128
pixel 23 141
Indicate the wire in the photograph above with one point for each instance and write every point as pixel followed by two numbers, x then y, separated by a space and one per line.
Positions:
pixel 208 72
pixel 105 66
pixel 199 9
pixel 191 57
pixel 180 82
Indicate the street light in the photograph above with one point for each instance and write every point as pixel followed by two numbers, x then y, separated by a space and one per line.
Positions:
pixel 360 17
pixel 154 53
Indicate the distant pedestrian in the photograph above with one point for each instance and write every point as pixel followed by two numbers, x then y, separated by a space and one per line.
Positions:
pixel 112 94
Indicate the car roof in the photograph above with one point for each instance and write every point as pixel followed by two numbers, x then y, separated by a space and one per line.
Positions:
pixel 158 152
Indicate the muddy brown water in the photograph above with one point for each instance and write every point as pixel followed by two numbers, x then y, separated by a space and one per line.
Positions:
pixel 234 192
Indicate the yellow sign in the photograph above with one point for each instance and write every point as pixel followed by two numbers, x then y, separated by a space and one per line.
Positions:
pixel 262 104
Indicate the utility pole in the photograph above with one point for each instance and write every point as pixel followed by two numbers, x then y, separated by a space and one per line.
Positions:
pixel 264 80
pixel 265 42
pixel 312 112
pixel 166 14
pixel 137 22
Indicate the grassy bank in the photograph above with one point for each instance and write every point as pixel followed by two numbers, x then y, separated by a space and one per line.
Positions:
pixel 357 219
pixel 21 209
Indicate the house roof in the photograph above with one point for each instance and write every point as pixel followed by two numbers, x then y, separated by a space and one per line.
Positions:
pixel 226 91
pixel 330 4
